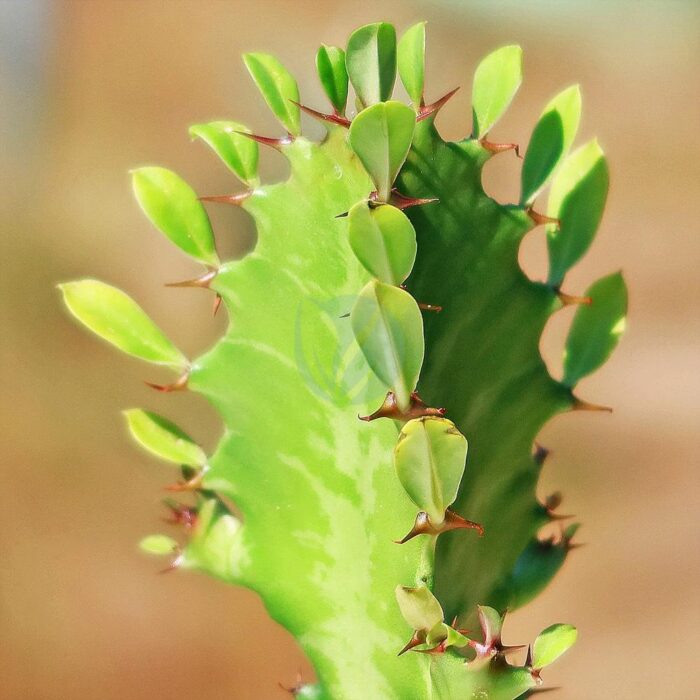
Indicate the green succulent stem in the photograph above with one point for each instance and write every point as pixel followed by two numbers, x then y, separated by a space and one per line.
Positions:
pixel 358 534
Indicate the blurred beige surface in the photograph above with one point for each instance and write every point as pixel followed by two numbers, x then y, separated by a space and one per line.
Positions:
pixel 90 89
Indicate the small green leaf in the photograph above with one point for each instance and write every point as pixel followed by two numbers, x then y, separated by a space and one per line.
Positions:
pixel 384 241
pixel 551 140
pixel 491 622
pixel 330 64
pixel 411 60
pixel 445 635
pixel 238 152
pixel 113 315
pixel 163 438
pixel 596 329
pixel 371 62
pixel 419 607
pixel 496 80
pixel 577 198
pixel 174 209
pixel 552 643
pixel 160 545
pixel 388 327
pixel 381 137
pixel 430 457
pixel 278 87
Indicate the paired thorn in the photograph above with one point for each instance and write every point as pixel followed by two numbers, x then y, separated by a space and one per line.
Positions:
pixel 424 526
pixel 276 143
pixel 540 219
pixel 428 110
pixel 174 565
pixel 581 405
pixel 333 118
pixel 178 385
pixel 390 409
pixel 202 282
pixel 217 304
pixel 570 299
pixel 235 199
pixel 496 148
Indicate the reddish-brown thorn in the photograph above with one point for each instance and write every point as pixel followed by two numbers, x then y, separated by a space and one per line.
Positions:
pixel 178 385
pixel 496 148
pixel 416 409
pixel 539 691
pixel 293 690
pixel 235 199
pixel 426 307
pixel 400 201
pixel 180 514
pixel 332 118
pixel 439 649
pixel 505 650
pixel 581 405
pixel 452 521
pixel 217 304
pixel 174 566
pixel 540 219
pixel 414 641
pixel 570 299
pixel 540 454
pixel 268 141
pixel 202 282
pixel 193 484
pixel 428 110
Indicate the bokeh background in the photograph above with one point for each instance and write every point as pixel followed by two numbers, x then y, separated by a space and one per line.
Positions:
pixel 90 89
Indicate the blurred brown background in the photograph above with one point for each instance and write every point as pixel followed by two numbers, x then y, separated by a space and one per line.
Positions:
pixel 90 89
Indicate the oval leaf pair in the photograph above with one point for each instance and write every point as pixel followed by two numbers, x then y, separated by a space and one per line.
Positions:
pixel 496 80
pixel 371 62
pixel 278 87
pixel 238 152
pixel 164 439
pixel 117 318
pixel 388 327
pixel 577 198
pixel 430 458
pixel 381 137
pixel 411 61
pixel 596 329
pixel 384 241
pixel 174 209
pixel 330 64
pixel 550 142
pixel 552 643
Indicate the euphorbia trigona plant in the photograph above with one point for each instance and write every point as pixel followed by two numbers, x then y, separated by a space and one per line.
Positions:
pixel 384 282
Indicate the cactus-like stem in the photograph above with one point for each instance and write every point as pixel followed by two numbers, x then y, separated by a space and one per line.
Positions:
pixel 358 534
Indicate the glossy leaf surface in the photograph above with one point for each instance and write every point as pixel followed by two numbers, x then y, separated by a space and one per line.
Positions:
pixel 429 458
pixel 163 438
pixel 383 240
pixel 330 64
pixel 496 80
pixel 552 643
pixel 411 62
pixel 577 198
pixel 238 152
pixel 419 607
pixel 278 87
pixel 550 142
pixel 371 62
pixel 117 318
pixel 381 137
pixel 388 327
pixel 596 329
pixel 174 209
